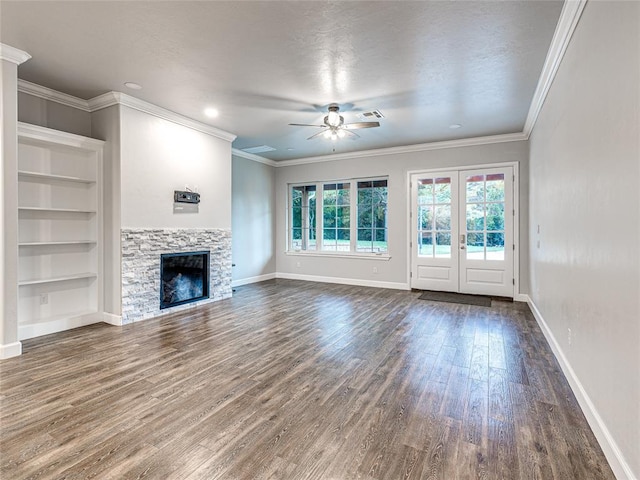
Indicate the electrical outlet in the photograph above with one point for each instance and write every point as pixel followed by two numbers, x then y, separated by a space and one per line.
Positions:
pixel 44 298
pixel 297 264
pixel 375 269
pixel 569 336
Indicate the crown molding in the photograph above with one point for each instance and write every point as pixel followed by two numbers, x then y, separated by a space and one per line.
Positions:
pixel 12 54
pixel 118 98
pixel 52 95
pixel 569 17
pixel 422 147
pixel 254 157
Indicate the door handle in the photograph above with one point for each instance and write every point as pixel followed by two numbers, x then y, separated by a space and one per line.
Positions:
pixel 461 247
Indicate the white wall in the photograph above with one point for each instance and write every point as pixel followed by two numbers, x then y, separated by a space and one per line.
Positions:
pixel 585 163
pixel 393 271
pixel 158 157
pixel 253 219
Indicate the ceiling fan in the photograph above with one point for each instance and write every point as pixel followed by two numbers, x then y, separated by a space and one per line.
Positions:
pixel 334 126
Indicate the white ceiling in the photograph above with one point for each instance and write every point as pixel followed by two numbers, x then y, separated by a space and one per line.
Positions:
pixel 424 65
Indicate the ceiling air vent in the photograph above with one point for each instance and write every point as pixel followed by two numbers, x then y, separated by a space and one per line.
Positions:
pixel 258 149
pixel 370 115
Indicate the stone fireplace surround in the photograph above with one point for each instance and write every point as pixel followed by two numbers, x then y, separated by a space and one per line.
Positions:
pixel 141 249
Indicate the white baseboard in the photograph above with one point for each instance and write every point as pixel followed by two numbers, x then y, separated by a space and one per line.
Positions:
pixel 521 297
pixel 112 319
pixel 10 350
pixel 344 281
pixel 618 464
pixel 248 280
pixel 57 325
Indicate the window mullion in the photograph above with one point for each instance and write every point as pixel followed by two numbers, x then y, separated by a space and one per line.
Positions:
pixel 319 216
pixel 305 219
pixel 353 211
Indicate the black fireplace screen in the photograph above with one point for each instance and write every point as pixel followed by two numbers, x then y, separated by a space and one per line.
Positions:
pixel 184 278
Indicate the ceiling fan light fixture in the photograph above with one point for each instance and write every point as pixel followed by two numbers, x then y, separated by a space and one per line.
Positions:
pixel 341 133
pixel 327 134
pixel 333 118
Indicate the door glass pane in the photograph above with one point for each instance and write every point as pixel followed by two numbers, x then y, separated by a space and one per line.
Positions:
pixel 495 187
pixel 443 245
pixel 495 216
pixel 475 246
pixel 475 189
pixel 425 243
pixel 425 219
pixel 443 190
pixel 475 216
pixel 495 246
pixel 425 190
pixel 443 217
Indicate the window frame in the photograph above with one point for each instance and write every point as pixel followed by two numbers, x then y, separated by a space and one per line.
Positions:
pixel 319 215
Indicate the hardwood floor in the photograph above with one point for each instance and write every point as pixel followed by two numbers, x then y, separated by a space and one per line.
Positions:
pixel 296 380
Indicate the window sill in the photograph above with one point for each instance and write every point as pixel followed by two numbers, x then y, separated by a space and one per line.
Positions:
pixel 365 256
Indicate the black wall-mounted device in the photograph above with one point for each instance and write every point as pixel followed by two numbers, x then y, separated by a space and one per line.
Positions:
pixel 186 197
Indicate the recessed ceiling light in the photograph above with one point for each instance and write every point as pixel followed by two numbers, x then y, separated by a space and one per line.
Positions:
pixel 211 112
pixel 133 85
pixel 454 126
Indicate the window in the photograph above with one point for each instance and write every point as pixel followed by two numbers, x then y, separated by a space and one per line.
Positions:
pixel 372 216
pixel 303 217
pixel 350 214
pixel 336 210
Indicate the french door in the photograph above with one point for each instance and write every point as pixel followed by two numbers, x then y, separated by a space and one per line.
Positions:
pixel 462 231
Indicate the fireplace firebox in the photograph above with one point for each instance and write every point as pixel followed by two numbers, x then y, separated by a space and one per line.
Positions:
pixel 184 278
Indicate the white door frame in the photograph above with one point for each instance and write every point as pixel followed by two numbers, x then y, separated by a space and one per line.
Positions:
pixel 516 217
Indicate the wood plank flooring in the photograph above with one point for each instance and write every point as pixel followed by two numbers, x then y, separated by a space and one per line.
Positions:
pixel 296 380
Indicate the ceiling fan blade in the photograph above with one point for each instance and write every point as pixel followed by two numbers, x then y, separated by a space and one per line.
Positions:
pixel 353 134
pixel 306 125
pixel 354 126
pixel 321 132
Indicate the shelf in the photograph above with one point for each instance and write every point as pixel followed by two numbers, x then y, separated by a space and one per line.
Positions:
pixel 63 278
pixel 46 209
pixel 49 176
pixel 62 242
pixel 59 204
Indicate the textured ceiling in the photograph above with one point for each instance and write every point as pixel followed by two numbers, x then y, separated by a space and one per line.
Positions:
pixel 424 65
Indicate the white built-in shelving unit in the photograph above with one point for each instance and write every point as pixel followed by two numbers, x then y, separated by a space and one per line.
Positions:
pixel 59 231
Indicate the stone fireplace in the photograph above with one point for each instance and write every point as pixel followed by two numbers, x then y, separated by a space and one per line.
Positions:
pixel 142 254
